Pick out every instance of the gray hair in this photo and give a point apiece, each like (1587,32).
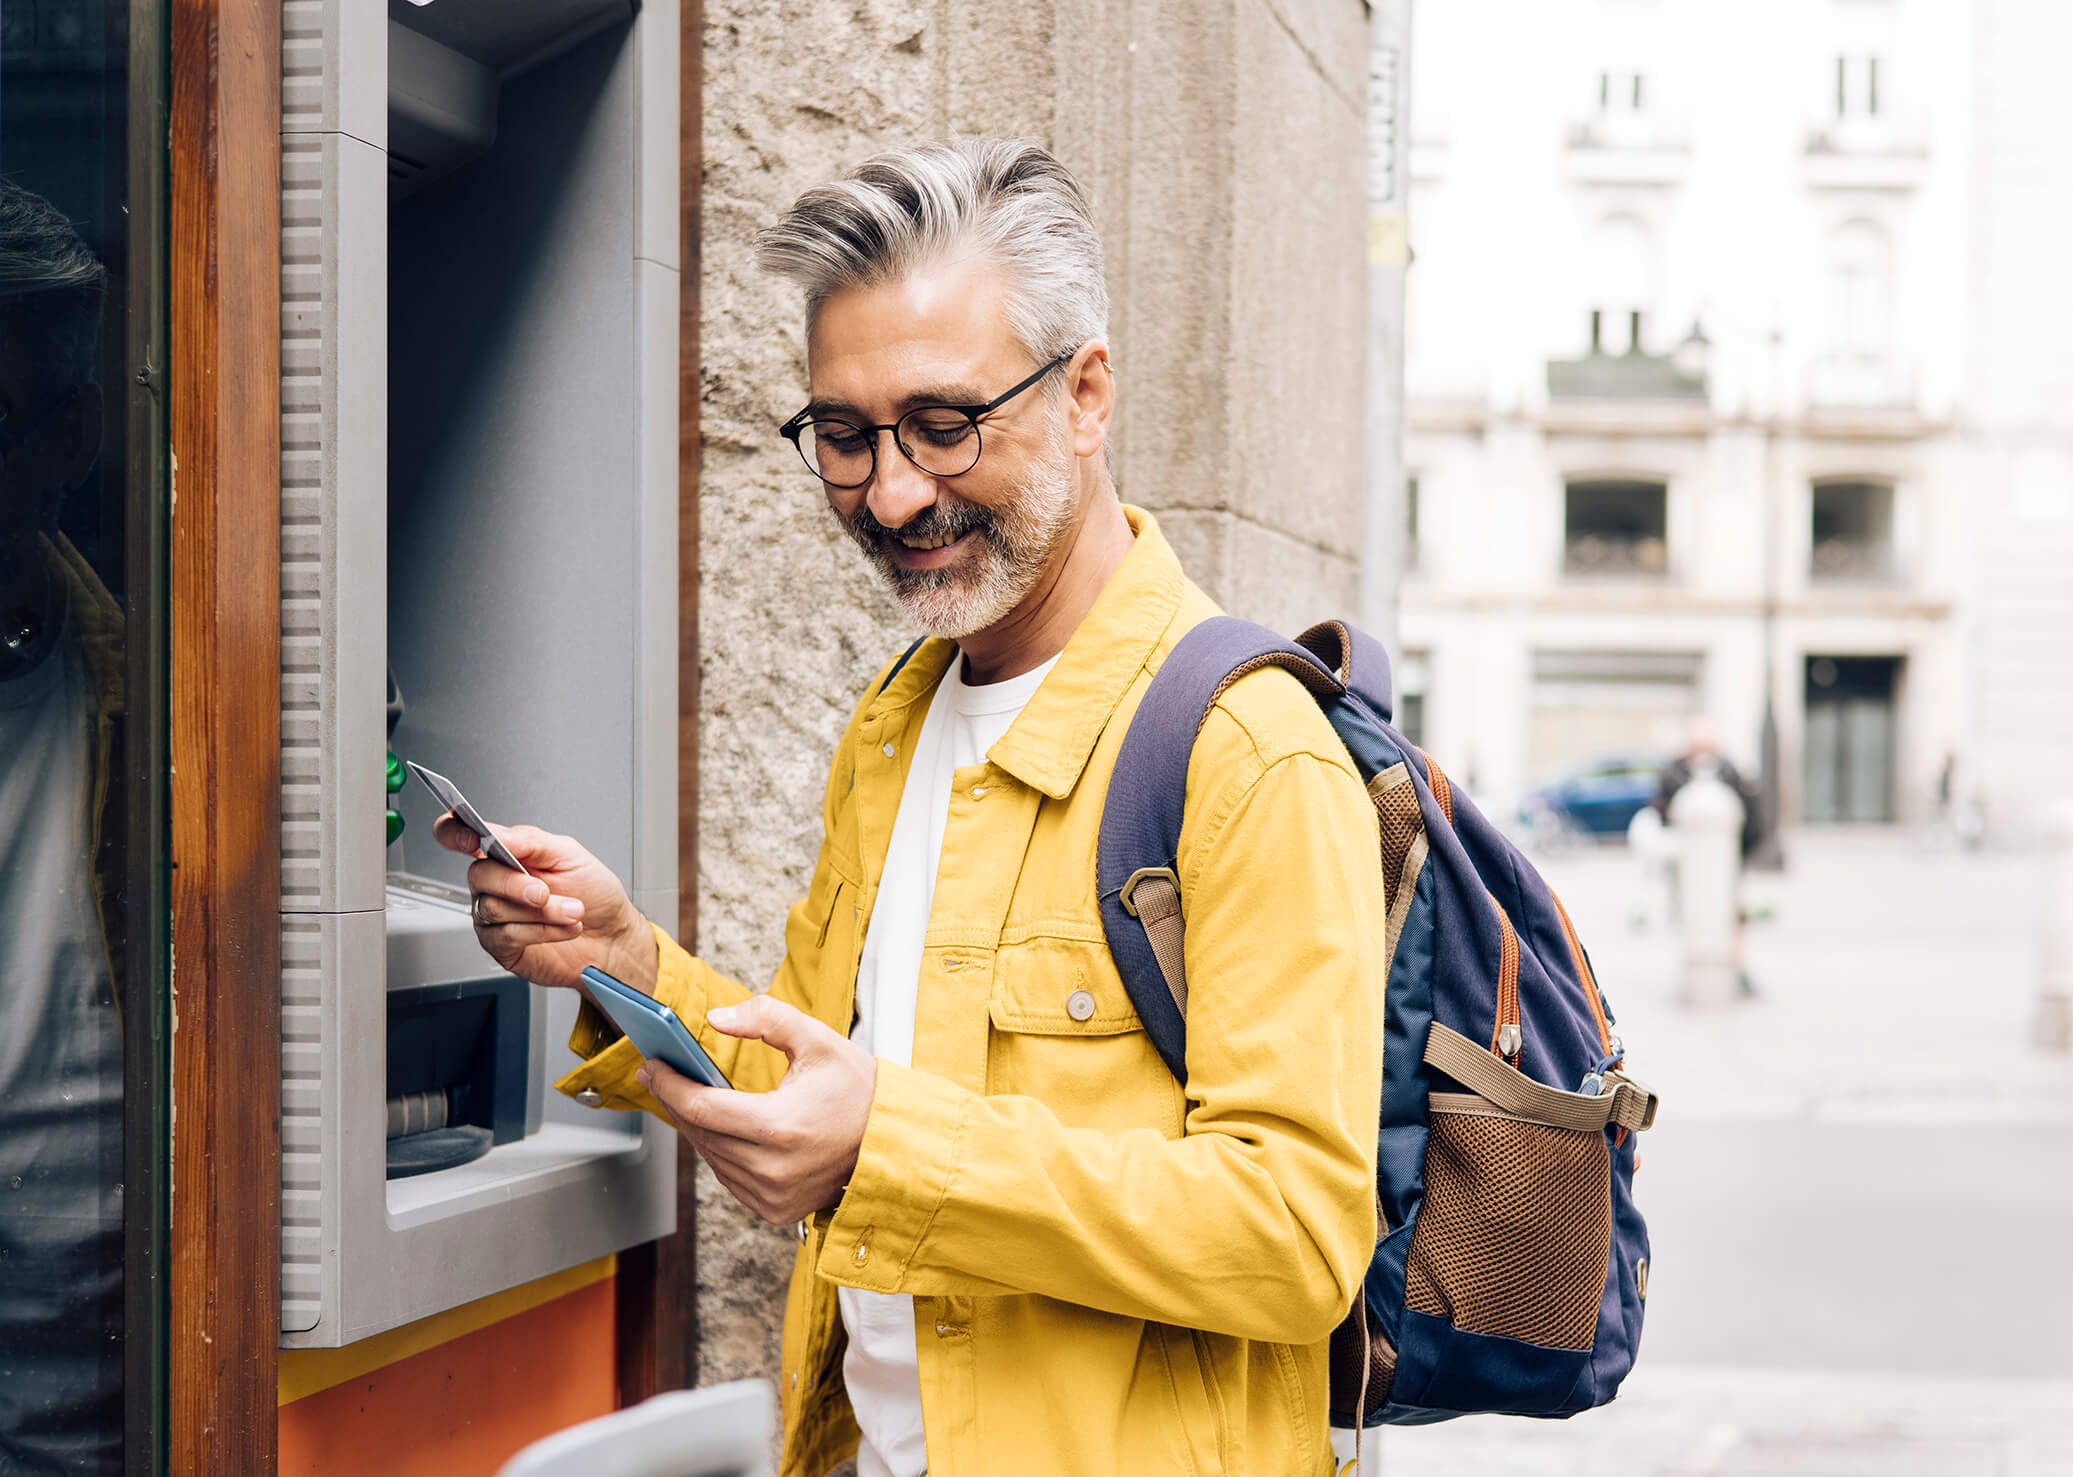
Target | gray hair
(1008,198)
(51,284)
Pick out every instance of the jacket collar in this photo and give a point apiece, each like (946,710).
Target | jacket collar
(1048,746)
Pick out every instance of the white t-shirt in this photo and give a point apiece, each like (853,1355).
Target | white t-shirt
(962,724)
(60,1089)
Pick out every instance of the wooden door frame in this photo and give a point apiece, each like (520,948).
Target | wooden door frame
(657,1287)
(223,384)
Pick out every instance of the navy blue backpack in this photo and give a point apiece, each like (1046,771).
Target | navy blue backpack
(1510,1265)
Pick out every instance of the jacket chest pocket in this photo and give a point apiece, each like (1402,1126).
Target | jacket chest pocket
(1064,1032)
(827,935)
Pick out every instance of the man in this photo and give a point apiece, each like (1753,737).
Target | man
(1024,1247)
(61,649)
(1702,756)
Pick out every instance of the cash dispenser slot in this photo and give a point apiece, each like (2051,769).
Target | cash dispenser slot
(457,1073)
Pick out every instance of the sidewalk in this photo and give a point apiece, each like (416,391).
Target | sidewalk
(1764,1423)
(1866,1172)
(1896,982)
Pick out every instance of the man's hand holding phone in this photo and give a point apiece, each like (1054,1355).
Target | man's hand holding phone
(570,912)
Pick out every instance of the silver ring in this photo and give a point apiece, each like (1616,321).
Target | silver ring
(481,910)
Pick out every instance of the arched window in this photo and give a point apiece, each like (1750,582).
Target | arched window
(1860,292)
(1621,272)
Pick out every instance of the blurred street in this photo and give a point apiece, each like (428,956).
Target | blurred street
(1859,1193)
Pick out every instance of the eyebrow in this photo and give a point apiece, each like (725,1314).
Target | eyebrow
(929,395)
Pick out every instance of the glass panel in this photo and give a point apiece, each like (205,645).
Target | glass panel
(80,692)
(1616,528)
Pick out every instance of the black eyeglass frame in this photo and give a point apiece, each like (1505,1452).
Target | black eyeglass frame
(792,429)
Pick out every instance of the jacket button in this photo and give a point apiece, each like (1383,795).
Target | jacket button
(890,751)
(590,1097)
(1079,1005)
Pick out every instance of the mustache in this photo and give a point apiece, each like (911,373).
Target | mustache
(947,520)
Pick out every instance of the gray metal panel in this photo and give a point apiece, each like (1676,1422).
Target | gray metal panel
(331,1056)
(334,523)
(515,501)
(335,69)
(520,567)
(654,750)
(510,37)
(658,229)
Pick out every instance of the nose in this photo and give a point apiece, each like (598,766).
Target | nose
(900,490)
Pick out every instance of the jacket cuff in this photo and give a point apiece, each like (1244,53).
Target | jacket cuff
(610,1060)
(903,1174)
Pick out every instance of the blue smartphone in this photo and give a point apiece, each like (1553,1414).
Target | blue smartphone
(653,1028)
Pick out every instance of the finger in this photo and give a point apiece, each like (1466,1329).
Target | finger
(760,1018)
(503,937)
(741,1187)
(517,898)
(542,850)
(724,1154)
(454,836)
(717,1111)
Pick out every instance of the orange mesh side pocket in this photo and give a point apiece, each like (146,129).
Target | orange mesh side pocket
(1515,1234)
(1346,1365)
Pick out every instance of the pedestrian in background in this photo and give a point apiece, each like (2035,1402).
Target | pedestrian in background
(1702,756)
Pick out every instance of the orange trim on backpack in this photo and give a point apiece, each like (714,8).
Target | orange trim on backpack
(1583,973)
(1507,983)
(1442,791)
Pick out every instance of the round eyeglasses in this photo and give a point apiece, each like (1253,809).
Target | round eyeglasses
(942,440)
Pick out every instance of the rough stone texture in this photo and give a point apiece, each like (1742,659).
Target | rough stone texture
(1221,144)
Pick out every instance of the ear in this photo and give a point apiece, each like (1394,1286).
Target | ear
(1090,387)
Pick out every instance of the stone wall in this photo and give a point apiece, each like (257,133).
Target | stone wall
(1220,142)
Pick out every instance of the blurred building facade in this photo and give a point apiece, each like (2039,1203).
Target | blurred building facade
(1727,375)
(2020,412)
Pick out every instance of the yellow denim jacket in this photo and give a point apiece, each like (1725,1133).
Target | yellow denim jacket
(1111,1274)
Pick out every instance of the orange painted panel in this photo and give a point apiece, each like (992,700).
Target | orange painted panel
(461,1409)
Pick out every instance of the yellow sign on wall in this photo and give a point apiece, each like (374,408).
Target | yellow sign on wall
(1389,239)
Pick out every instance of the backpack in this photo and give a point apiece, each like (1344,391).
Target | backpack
(1510,1266)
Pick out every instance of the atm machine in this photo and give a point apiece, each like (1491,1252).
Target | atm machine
(479,258)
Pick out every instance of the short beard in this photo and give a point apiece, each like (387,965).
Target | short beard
(1017,538)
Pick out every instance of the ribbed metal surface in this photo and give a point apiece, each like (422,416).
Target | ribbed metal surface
(309,166)
(303,1234)
(308,537)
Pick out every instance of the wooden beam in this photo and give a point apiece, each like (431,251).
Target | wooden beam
(658,1282)
(224,387)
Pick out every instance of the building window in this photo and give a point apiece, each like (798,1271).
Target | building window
(83,678)
(1860,292)
(1413,674)
(1857,87)
(1852,532)
(1622,286)
(1616,528)
(1620,94)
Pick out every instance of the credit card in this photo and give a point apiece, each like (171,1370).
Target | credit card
(448,794)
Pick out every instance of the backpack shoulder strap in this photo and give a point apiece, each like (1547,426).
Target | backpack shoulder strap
(1137,864)
(905,657)
(1356,659)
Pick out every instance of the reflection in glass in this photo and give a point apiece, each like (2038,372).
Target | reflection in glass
(62,791)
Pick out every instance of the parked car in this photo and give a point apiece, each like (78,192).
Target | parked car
(1596,800)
